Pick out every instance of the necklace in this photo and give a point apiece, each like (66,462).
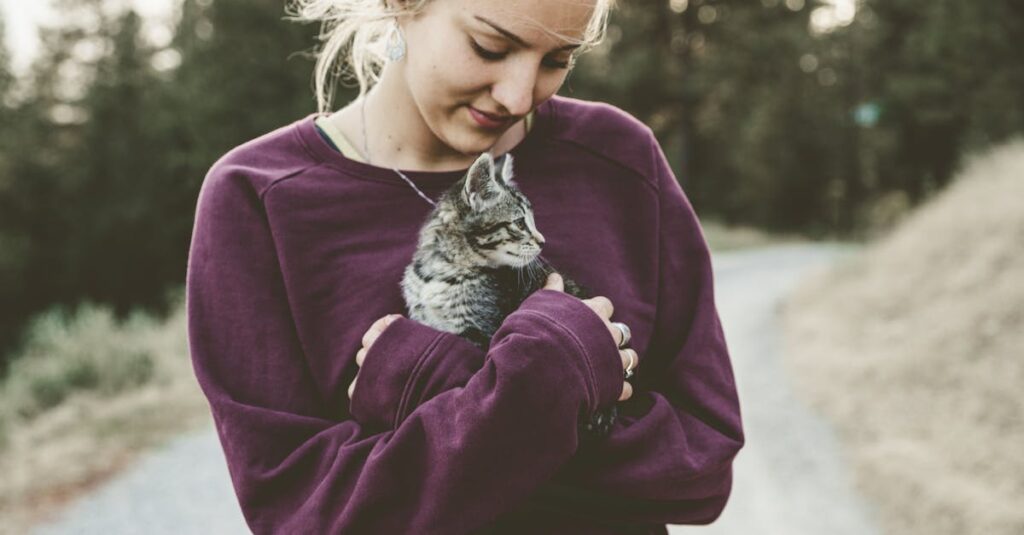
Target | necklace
(366,154)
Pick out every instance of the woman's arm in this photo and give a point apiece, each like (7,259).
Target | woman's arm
(453,464)
(406,365)
(668,458)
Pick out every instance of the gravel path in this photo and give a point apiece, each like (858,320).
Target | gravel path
(789,479)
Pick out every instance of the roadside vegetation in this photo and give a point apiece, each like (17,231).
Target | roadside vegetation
(913,350)
(83,398)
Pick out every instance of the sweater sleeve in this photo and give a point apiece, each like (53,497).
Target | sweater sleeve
(452,465)
(409,363)
(668,458)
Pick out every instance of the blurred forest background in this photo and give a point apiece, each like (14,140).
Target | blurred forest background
(780,114)
(818,118)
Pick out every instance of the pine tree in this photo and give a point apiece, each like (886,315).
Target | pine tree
(949,77)
(7,78)
(116,255)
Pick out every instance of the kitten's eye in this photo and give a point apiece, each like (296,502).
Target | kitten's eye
(521,222)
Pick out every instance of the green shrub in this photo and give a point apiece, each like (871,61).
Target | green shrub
(86,350)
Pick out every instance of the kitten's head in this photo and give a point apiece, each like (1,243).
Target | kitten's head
(493,215)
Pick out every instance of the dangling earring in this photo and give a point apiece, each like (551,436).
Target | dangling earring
(396,43)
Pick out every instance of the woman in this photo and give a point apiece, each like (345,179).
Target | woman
(300,240)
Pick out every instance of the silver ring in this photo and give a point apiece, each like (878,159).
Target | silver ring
(632,362)
(626,334)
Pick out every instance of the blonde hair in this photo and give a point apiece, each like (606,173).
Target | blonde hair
(354,35)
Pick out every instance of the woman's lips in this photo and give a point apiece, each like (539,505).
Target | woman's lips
(485,120)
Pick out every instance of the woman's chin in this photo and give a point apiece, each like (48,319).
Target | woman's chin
(472,140)
(479,143)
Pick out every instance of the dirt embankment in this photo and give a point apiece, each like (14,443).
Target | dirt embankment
(915,350)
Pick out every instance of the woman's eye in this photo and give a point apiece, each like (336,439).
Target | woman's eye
(558,64)
(484,53)
(488,55)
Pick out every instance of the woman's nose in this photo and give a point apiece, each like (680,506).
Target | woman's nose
(515,90)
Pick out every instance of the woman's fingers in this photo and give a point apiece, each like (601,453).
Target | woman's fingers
(601,305)
(629,356)
(617,333)
(604,308)
(352,387)
(627,359)
(555,282)
(627,391)
(378,327)
(372,333)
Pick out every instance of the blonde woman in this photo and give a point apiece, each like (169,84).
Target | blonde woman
(300,241)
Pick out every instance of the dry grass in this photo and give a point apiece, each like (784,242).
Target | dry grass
(77,409)
(914,351)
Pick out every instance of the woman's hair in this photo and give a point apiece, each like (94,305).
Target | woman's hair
(354,35)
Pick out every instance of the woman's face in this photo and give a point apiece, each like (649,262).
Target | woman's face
(492,56)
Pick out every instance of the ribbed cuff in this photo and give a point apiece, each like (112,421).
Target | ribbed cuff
(408,364)
(448,363)
(387,368)
(590,335)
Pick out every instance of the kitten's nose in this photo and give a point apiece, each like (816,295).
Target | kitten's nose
(538,236)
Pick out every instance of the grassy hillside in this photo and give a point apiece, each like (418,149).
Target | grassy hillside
(914,350)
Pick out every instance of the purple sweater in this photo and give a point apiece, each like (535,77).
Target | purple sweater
(297,249)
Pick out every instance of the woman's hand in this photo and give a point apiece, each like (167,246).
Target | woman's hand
(368,338)
(603,307)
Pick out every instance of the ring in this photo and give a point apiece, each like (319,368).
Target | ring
(629,369)
(626,334)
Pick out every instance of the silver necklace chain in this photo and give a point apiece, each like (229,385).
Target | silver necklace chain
(366,154)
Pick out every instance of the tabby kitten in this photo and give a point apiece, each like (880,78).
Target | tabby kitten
(478,258)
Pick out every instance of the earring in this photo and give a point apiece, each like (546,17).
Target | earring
(396,43)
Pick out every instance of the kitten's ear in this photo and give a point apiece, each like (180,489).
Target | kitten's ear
(480,184)
(506,168)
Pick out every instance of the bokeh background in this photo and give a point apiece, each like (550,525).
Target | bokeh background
(885,124)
